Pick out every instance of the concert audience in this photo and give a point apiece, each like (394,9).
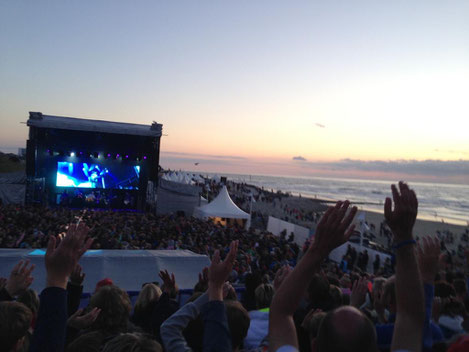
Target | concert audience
(309,305)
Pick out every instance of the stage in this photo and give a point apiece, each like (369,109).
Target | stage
(128,269)
(84,163)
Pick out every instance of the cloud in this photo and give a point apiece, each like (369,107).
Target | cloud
(465,152)
(411,167)
(300,158)
(203,156)
(320,125)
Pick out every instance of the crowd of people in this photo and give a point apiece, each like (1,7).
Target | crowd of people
(295,299)
(31,227)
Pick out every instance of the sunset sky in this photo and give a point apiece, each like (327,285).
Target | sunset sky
(343,88)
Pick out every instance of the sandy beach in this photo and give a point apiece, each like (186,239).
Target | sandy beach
(422,227)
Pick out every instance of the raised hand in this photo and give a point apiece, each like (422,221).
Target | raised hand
(359,290)
(281,275)
(61,260)
(20,278)
(169,282)
(203,276)
(334,229)
(401,220)
(77,276)
(408,327)
(202,284)
(229,292)
(429,257)
(219,271)
(83,321)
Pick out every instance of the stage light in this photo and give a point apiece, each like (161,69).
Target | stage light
(109,155)
(117,156)
(145,158)
(72,154)
(126,156)
(81,153)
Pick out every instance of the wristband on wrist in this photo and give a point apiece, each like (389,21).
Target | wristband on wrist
(403,243)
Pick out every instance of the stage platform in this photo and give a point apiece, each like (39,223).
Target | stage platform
(128,269)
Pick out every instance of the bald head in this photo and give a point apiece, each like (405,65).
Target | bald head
(346,329)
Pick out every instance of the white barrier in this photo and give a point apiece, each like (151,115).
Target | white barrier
(338,253)
(276,226)
(128,269)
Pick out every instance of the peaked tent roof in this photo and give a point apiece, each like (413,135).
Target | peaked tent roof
(222,206)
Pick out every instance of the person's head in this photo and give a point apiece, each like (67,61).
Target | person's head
(252,280)
(150,293)
(264,294)
(318,292)
(89,342)
(346,329)
(378,284)
(31,300)
(115,309)
(15,320)
(335,297)
(312,327)
(345,282)
(238,322)
(132,342)
(102,283)
(444,290)
(389,295)
(460,288)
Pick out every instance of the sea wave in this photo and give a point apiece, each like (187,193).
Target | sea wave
(438,202)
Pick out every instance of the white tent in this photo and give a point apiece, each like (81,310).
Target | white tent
(203,201)
(221,207)
(179,177)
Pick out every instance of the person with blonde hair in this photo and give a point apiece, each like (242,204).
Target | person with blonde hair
(149,293)
(144,306)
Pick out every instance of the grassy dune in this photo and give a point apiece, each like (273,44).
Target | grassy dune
(11,163)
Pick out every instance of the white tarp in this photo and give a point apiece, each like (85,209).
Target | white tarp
(179,177)
(222,206)
(128,269)
(276,226)
(174,196)
(12,187)
(338,253)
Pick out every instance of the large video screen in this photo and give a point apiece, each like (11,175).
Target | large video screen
(92,175)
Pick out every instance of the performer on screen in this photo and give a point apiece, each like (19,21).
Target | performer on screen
(95,175)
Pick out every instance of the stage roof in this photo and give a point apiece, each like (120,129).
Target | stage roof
(40,120)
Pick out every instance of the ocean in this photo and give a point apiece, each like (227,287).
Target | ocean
(437,202)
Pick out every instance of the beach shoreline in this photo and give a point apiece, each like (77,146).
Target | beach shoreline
(423,226)
(362,206)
